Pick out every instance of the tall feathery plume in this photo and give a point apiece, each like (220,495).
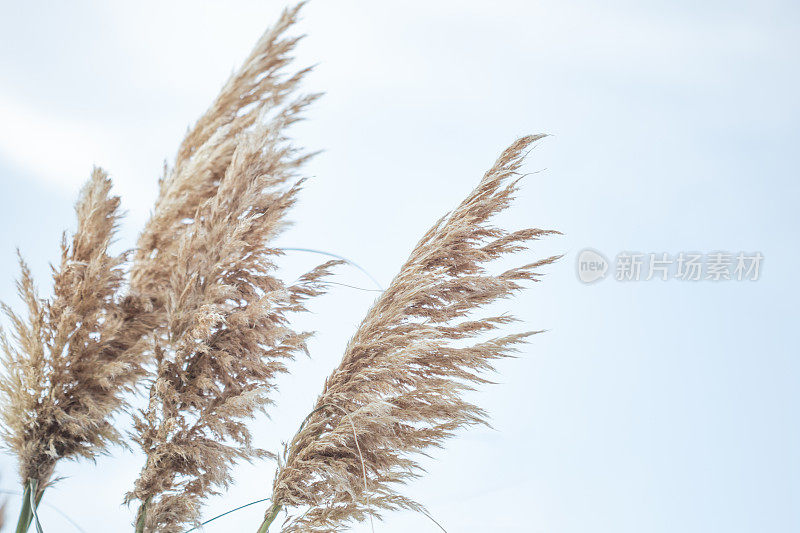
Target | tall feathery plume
(399,388)
(207,262)
(75,355)
(259,87)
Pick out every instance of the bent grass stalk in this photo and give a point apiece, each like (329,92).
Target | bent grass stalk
(399,389)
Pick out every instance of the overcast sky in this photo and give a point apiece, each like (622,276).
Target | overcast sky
(650,406)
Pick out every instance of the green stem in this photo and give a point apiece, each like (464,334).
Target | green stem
(141,516)
(272,514)
(26,512)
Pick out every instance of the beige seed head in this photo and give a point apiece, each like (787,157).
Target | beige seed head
(399,389)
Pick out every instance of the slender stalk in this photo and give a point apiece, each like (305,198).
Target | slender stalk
(141,516)
(26,512)
(35,498)
(226,513)
(272,514)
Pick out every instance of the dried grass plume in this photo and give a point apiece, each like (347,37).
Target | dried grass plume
(206,263)
(399,389)
(74,356)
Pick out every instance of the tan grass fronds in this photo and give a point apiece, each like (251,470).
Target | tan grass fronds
(226,334)
(399,388)
(75,355)
(260,86)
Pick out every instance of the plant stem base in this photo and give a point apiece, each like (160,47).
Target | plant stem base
(272,514)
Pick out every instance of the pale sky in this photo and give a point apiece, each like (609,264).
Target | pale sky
(658,406)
